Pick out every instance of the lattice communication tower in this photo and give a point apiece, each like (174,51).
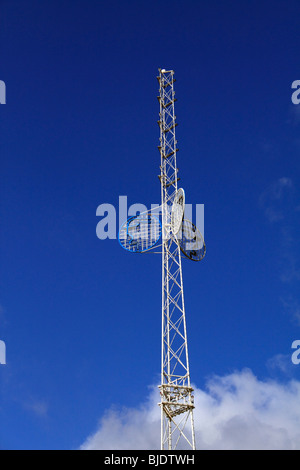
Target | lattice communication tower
(178,236)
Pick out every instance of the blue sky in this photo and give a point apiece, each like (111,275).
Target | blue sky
(80,317)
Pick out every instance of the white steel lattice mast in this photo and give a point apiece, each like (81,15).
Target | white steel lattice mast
(142,233)
(177,401)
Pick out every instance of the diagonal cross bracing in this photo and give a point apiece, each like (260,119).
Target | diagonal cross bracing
(177,402)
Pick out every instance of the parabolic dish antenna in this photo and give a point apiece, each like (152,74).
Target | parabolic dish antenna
(140,233)
(191,242)
(177,211)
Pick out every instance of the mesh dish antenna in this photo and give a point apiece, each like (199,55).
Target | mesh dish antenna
(191,241)
(140,233)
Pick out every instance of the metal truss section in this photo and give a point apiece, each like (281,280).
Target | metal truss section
(177,402)
(168,143)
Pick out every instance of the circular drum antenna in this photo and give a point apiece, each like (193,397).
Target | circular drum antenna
(177,211)
(191,242)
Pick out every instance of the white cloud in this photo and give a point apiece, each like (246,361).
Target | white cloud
(280,203)
(276,198)
(294,115)
(237,411)
(128,428)
(292,308)
(37,407)
(281,363)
